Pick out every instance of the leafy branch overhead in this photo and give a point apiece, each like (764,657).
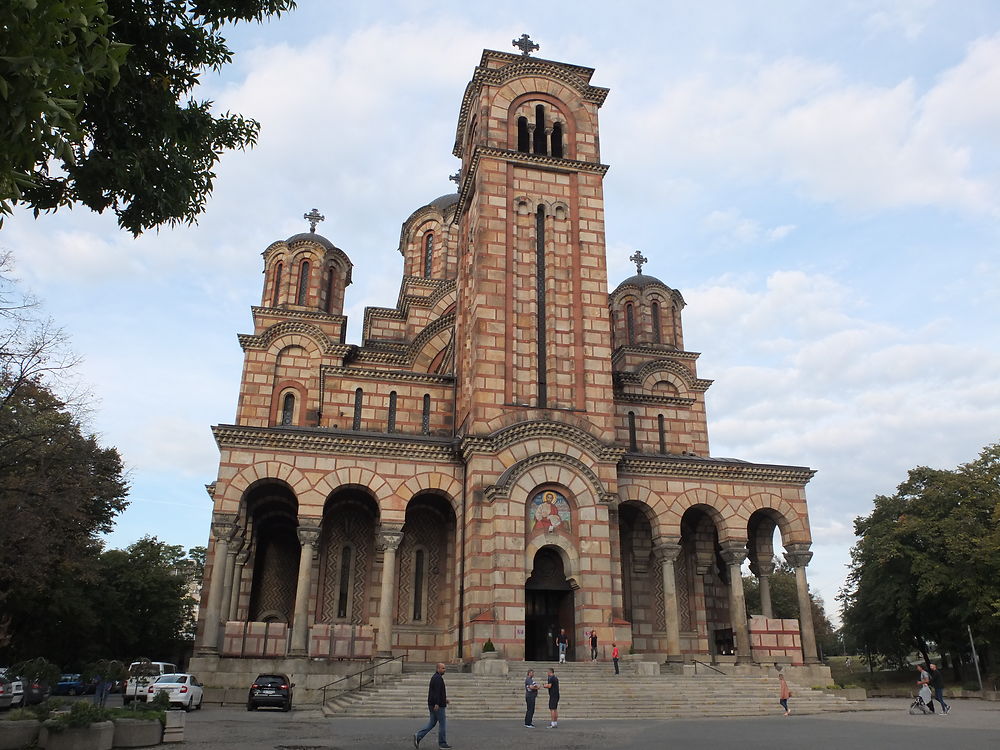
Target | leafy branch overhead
(95,105)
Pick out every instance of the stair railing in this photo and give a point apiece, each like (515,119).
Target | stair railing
(360,674)
(696,663)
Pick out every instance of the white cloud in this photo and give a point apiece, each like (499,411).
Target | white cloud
(907,17)
(730,228)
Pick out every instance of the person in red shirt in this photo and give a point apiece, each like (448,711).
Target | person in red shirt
(615,654)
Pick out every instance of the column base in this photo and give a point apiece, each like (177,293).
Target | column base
(207,651)
(297,652)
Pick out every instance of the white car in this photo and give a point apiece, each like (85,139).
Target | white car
(16,688)
(183,690)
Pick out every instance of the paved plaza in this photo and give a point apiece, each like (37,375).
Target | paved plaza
(972,725)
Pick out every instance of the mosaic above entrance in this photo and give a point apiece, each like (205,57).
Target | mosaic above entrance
(550,511)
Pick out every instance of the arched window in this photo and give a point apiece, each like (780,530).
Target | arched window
(329,289)
(632,446)
(288,408)
(303,282)
(428,253)
(425,422)
(663,433)
(344,584)
(540,145)
(557,140)
(630,323)
(523,140)
(276,292)
(358,397)
(391,427)
(657,328)
(419,573)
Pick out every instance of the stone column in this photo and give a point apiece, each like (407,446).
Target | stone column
(667,553)
(763,571)
(308,536)
(223,529)
(389,540)
(798,556)
(227,591)
(733,554)
(617,569)
(234,600)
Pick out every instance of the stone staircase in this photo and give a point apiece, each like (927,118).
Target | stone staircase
(587,691)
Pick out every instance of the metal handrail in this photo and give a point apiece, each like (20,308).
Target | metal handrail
(360,672)
(696,663)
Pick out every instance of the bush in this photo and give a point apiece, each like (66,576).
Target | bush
(160,702)
(83,714)
(488,647)
(159,715)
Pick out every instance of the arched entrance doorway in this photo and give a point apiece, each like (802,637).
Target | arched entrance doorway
(548,606)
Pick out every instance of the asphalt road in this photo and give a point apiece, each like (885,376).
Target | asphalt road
(972,725)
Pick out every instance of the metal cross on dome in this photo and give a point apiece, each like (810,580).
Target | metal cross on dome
(525,44)
(638,258)
(314,217)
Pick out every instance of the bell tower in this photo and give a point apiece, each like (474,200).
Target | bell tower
(533,327)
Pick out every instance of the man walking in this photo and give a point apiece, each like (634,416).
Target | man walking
(552,685)
(924,681)
(437,701)
(593,645)
(615,655)
(530,694)
(937,683)
(562,643)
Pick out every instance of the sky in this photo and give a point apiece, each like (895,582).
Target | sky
(821,181)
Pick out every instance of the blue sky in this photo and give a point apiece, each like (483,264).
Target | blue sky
(820,181)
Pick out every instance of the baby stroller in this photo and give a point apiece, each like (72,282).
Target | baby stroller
(921,704)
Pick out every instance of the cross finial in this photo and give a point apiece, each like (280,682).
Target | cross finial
(638,258)
(456,178)
(314,217)
(525,44)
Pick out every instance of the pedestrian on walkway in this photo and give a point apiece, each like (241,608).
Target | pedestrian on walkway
(562,643)
(786,693)
(593,645)
(530,694)
(924,689)
(615,655)
(552,685)
(437,701)
(937,683)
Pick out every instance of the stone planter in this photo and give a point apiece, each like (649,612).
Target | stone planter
(490,655)
(99,736)
(173,729)
(137,732)
(17,734)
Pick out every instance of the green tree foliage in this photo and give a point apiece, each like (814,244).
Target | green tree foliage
(785,603)
(927,562)
(95,105)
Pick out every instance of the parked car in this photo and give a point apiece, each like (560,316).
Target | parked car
(15,687)
(183,690)
(138,682)
(270,690)
(70,684)
(35,691)
(6,693)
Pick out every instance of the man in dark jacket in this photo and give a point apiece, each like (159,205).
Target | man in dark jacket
(437,701)
(937,684)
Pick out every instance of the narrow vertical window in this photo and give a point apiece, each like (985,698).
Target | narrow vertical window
(288,408)
(557,140)
(663,433)
(523,140)
(425,422)
(329,289)
(630,323)
(358,396)
(540,301)
(428,253)
(344,584)
(418,585)
(540,145)
(657,328)
(276,295)
(303,282)
(632,446)
(391,426)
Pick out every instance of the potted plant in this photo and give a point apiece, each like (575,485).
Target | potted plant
(84,727)
(140,726)
(19,729)
(489,650)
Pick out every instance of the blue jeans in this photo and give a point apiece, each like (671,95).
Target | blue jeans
(939,697)
(437,717)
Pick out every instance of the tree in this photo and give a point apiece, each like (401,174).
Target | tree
(785,603)
(96,105)
(927,562)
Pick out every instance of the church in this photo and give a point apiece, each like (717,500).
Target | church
(513,448)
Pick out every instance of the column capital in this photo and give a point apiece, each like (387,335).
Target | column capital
(308,534)
(761,569)
(224,526)
(798,555)
(389,538)
(667,551)
(734,553)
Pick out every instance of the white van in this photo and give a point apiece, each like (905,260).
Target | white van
(140,677)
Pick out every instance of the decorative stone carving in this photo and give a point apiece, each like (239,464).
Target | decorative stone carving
(389,539)
(308,534)
(667,551)
(798,555)
(734,554)
(224,526)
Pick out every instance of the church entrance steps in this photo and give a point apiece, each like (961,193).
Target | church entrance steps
(584,687)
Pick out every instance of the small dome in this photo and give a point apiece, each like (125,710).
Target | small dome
(312,237)
(642,280)
(442,202)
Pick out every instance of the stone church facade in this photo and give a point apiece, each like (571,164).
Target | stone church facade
(512,448)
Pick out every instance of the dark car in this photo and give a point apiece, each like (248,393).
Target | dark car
(70,684)
(270,690)
(35,691)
